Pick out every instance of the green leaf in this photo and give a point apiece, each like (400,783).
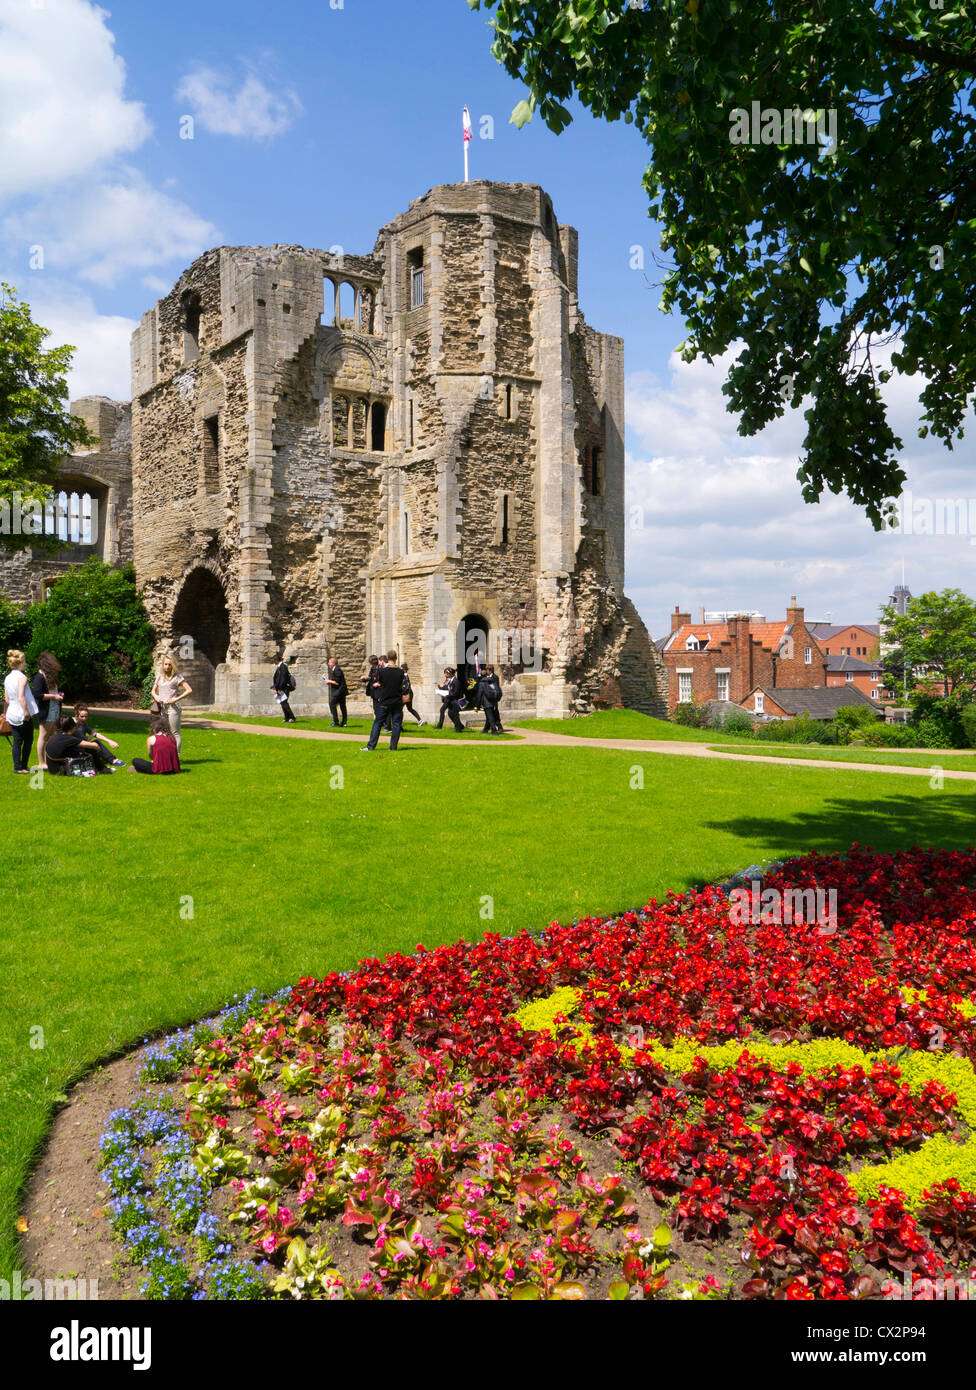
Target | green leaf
(805,265)
(618,1292)
(525,1293)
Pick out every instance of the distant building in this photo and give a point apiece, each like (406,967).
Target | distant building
(823,704)
(866,676)
(862,640)
(724,661)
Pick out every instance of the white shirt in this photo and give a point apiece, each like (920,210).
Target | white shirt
(17,709)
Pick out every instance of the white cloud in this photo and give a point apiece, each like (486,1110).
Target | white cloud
(100,366)
(724,525)
(110,229)
(62,108)
(254,110)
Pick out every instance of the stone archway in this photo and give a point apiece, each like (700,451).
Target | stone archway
(470,645)
(201,632)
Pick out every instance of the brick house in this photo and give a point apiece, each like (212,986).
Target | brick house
(866,676)
(726,660)
(860,640)
(817,703)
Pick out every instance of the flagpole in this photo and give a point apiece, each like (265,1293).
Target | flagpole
(466,137)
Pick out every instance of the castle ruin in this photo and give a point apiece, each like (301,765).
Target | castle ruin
(420,448)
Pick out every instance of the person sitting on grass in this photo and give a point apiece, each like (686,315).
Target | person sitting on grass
(161,747)
(85,730)
(68,743)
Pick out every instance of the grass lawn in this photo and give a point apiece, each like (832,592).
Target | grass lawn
(620,723)
(356,726)
(134,904)
(960,761)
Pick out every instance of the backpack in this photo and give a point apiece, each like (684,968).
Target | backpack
(291,683)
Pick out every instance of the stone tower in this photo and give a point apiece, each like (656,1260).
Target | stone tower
(419,448)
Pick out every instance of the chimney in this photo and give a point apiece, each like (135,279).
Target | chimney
(794,615)
(679,619)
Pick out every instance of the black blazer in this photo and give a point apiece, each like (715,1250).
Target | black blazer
(282,679)
(453,691)
(334,673)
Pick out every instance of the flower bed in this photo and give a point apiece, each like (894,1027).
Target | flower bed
(681,1101)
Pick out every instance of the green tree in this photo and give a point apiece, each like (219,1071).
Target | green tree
(934,641)
(812,257)
(36,428)
(96,625)
(15,626)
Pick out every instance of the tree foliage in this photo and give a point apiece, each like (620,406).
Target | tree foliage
(36,428)
(934,641)
(96,625)
(812,259)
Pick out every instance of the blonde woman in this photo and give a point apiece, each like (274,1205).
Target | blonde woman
(167,692)
(19,708)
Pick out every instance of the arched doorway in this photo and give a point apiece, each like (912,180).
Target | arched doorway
(201,632)
(471,646)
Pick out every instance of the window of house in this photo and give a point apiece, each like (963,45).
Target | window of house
(722,685)
(759,702)
(691,645)
(684,689)
(848,676)
(415,274)
(211,454)
(808,655)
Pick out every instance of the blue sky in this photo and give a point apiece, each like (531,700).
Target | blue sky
(316,125)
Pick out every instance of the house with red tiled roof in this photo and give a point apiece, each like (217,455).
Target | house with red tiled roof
(726,660)
(861,640)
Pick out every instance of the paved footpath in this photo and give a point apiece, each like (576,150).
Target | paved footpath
(542,738)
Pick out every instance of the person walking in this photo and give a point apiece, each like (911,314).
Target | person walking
(490,692)
(44,688)
(169,688)
(450,692)
(283,684)
(408,692)
(19,709)
(389,699)
(369,680)
(335,684)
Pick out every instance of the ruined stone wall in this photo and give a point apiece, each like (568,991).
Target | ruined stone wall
(105,473)
(513,304)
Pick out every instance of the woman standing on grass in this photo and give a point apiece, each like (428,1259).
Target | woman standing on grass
(161,747)
(19,707)
(44,688)
(167,693)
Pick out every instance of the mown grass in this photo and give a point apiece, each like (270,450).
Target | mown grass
(134,904)
(934,757)
(619,723)
(357,726)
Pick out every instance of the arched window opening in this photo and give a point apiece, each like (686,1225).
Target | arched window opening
(340,422)
(415,277)
(378,427)
(471,646)
(347,306)
(330,309)
(211,454)
(190,311)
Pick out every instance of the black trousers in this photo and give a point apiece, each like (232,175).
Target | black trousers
(144,765)
(21,743)
(337,706)
(412,711)
(493,725)
(286,713)
(450,707)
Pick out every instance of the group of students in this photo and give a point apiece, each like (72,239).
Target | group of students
(393,692)
(67,743)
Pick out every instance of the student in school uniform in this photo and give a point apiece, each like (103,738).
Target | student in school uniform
(335,684)
(408,691)
(450,692)
(282,684)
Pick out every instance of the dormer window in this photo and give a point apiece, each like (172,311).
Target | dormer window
(697,644)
